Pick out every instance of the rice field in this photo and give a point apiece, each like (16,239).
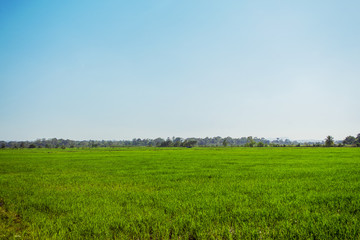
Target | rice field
(180,193)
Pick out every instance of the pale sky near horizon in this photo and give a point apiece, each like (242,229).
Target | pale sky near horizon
(145,69)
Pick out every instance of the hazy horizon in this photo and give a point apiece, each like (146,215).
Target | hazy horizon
(146,69)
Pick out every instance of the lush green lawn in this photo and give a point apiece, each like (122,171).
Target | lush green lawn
(199,193)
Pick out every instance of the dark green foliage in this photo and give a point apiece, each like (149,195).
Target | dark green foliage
(250,142)
(329,141)
(349,140)
(188,143)
(136,142)
(352,141)
(357,140)
(317,145)
(167,143)
(175,142)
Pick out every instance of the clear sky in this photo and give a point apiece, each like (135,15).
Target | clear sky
(124,69)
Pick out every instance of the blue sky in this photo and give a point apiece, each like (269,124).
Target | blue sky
(126,69)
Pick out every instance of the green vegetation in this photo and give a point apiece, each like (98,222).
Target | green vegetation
(329,141)
(180,193)
(181,142)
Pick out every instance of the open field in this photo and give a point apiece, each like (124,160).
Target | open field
(169,193)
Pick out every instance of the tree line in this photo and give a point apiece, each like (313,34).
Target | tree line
(180,142)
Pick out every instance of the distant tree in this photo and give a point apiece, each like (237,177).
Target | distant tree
(350,140)
(188,143)
(357,140)
(329,141)
(260,144)
(32,146)
(158,141)
(177,141)
(3,145)
(192,143)
(250,142)
(167,143)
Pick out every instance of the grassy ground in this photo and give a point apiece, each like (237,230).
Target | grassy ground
(199,193)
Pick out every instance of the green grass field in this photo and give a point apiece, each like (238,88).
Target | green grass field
(198,193)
